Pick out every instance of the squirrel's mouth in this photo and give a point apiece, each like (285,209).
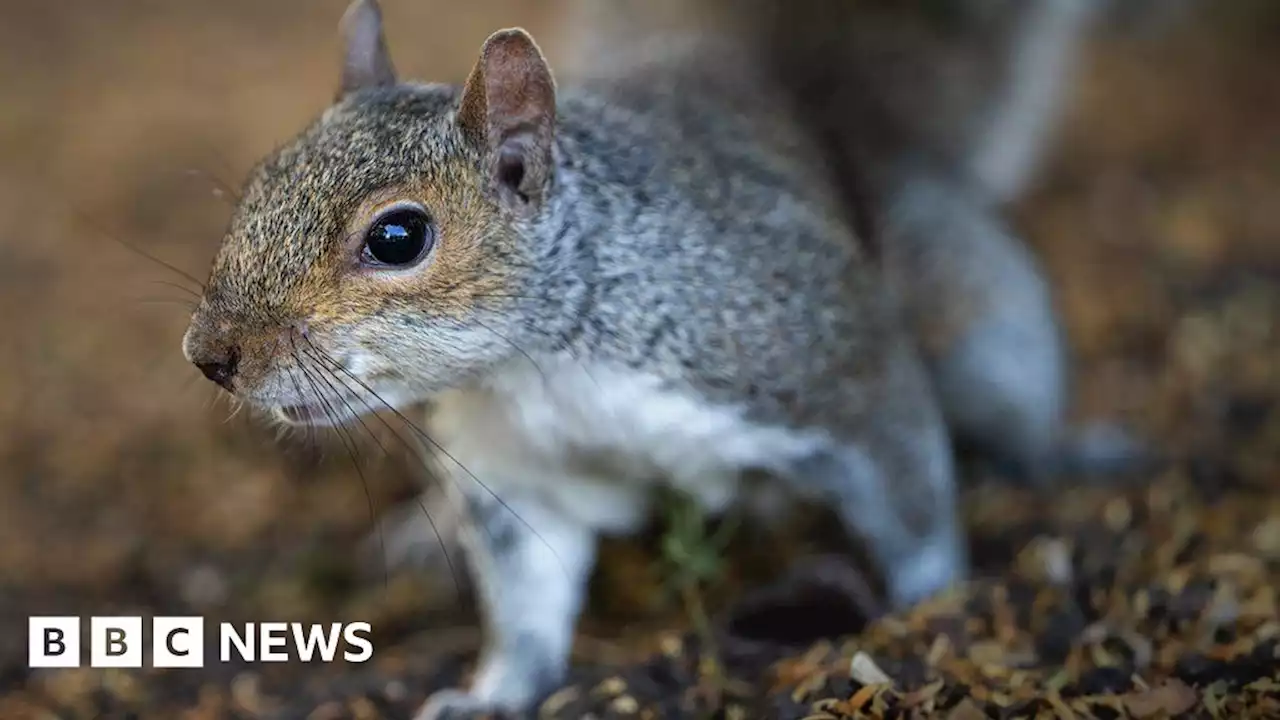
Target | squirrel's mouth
(314,414)
(336,408)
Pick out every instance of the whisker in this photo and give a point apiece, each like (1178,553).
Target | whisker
(293,378)
(518,349)
(146,300)
(441,449)
(512,296)
(329,411)
(350,444)
(188,383)
(444,547)
(221,159)
(453,571)
(176,286)
(423,456)
(221,190)
(134,249)
(586,369)
(544,298)
(236,406)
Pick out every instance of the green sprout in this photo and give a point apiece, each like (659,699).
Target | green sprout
(693,560)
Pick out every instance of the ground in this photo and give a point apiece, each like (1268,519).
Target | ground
(127,490)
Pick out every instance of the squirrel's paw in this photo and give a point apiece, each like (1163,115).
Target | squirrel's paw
(497,692)
(455,704)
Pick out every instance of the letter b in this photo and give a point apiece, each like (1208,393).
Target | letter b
(115,642)
(53,642)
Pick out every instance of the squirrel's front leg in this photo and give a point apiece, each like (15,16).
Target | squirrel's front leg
(530,564)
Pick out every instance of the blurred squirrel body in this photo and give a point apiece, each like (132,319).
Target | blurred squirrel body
(931,116)
(711,258)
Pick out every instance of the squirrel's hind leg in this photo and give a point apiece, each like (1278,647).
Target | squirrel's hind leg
(892,484)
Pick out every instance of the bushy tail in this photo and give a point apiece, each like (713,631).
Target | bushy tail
(1021,112)
(971,86)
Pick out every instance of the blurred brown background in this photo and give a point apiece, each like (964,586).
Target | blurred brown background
(123,485)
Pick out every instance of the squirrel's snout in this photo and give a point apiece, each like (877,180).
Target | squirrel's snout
(218,362)
(222,370)
(212,352)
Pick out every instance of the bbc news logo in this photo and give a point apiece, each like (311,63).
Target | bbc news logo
(179,642)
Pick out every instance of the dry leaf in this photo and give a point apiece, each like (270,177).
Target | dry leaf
(1171,698)
(863,696)
(966,710)
(923,695)
(1060,708)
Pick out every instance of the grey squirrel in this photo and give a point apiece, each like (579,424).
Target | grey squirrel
(723,257)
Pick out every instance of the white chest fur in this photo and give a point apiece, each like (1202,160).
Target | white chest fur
(592,441)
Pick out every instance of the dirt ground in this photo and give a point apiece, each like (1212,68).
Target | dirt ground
(125,488)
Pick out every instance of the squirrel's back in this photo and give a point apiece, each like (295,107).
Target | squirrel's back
(699,110)
(714,231)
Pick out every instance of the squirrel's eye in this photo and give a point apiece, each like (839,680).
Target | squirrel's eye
(399,237)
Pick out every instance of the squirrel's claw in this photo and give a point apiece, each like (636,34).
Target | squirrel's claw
(455,704)
(502,688)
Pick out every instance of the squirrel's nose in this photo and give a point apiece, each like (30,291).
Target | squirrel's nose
(221,370)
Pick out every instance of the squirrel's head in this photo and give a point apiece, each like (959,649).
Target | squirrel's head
(374,258)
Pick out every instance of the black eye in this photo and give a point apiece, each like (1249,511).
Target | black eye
(399,237)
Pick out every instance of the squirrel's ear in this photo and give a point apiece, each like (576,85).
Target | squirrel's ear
(365,60)
(508,107)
